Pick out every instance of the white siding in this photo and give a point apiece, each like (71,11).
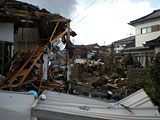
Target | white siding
(142,38)
(7,32)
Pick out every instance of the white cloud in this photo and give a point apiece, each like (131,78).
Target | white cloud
(108,22)
(62,7)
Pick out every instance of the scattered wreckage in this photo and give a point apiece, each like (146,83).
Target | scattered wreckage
(26,70)
(57,106)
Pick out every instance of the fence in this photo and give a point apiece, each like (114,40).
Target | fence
(134,73)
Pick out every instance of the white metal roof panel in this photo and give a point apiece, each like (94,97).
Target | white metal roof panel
(70,107)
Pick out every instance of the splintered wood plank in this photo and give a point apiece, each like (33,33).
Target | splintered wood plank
(36,54)
(24,77)
(45,46)
(12,79)
(23,72)
(41,80)
(8,86)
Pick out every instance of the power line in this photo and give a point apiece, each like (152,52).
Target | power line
(87,14)
(89,5)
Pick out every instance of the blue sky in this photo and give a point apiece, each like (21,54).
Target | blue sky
(99,21)
(154,3)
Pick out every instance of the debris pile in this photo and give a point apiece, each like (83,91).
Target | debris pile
(32,81)
(91,81)
(27,70)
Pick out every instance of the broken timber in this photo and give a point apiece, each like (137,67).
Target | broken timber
(23,72)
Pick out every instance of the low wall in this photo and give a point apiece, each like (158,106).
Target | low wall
(134,73)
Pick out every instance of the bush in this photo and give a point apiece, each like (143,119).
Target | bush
(151,80)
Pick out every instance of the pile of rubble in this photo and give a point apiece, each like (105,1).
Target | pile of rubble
(34,80)
(91,82)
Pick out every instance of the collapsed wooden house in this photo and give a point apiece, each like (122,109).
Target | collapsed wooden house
(27,28)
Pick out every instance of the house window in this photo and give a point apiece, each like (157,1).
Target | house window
(155,28)
(150,29)
(146,30)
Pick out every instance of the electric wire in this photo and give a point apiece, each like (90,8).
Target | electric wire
(103,1)
(88,6)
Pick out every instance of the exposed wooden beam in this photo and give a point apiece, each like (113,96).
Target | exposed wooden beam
(68,32)
(60,35)
(68,39)
(53,32)
(61,20)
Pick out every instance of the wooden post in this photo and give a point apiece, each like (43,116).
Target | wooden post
(68,39)
(43,72)
(67,58)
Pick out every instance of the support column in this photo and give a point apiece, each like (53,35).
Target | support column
(67,59)
(67,54)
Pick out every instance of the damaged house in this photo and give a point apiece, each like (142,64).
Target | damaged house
(27,34)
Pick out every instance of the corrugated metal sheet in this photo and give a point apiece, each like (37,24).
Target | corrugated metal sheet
(15,105)
(59,106)
(137,99)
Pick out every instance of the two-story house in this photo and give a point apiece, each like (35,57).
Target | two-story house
(147,28)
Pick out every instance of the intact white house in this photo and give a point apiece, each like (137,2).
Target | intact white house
(147,32)
(146,28)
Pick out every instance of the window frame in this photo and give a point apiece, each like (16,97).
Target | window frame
(150,29)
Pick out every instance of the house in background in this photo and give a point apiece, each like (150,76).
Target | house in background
(105,49)
(147,29)
(121,45)
(108,48)
(92,49)
(80,51)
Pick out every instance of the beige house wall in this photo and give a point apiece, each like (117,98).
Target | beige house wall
(142,38)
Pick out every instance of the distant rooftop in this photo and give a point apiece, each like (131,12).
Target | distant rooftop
(128,39)
(155,14)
